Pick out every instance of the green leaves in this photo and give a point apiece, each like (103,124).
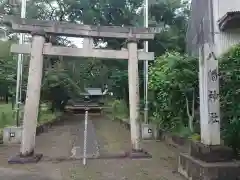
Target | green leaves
(172,16)
(7,64)
(229,96)
(171,78)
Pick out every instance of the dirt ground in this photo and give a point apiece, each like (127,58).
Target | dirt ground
(111,136)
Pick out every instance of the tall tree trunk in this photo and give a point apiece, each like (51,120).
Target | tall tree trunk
(6,98)
(190,115)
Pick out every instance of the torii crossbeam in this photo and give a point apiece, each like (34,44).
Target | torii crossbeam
(77,30)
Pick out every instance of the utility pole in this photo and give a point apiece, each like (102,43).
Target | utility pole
(146,66)
(20,67)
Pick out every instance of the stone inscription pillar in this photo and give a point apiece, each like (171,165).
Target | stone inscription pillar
(209,96)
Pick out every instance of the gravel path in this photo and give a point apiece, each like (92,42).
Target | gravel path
(112,137)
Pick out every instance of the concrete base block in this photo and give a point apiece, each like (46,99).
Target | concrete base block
(116,155)
(147,131)
(194,169)
(134,154)
(19,159)
(12,135)
(211,153)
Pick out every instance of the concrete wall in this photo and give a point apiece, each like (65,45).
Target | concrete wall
(224,40)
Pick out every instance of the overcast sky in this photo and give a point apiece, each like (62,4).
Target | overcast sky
(77,41)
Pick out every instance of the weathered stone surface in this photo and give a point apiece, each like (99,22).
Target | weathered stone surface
(19,159)
(211,153)
(39,32)
(12,135)
(147,131)
(194,169)
(78,30)
(81,52)
(139,154)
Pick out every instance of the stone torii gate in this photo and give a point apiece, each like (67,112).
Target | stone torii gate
(39,48)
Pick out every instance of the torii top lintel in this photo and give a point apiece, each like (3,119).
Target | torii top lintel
(18,24)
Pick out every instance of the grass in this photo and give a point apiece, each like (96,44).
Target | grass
(117,109)
(182,131)
(47,116)
(185,132)
(7,117)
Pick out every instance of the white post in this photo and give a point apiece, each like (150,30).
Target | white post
(85,137)
(33,94)
(88,43)
(209,96)
(134,93)
(146,65)
(19,66)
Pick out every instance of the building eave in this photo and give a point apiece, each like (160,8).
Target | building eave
(230,21)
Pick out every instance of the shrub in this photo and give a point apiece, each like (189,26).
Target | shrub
(119,109)
(229,68)
(173,80)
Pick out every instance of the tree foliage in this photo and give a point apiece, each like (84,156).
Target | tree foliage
(174,82)
(230,96)
(104,12)
(7,70)
(172,16)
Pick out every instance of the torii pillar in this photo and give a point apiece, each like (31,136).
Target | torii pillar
(134,100)
(27,153)
(133,84)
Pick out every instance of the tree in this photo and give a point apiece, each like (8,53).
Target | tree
(172,16)
(7,70)
(229,65)
(105,12)
(174,82)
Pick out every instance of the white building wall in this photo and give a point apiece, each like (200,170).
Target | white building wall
(224,40)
